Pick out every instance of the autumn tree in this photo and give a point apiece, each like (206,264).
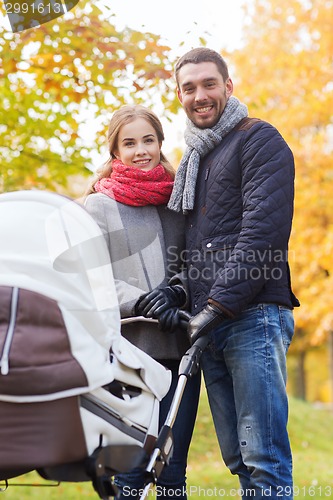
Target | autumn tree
(284,72)
(64,75)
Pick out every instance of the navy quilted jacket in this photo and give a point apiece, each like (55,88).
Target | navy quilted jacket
(237,234)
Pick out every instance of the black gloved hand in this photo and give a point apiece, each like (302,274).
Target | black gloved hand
(173,318)
(207,319)
(153,303)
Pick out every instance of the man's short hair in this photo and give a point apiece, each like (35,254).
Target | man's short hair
(202,54)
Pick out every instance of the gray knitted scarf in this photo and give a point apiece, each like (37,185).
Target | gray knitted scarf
(200,141)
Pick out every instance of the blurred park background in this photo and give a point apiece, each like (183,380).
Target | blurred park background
(60,83)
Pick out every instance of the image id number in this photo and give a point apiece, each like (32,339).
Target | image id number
(33,8)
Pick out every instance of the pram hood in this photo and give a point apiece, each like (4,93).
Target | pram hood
(50,245)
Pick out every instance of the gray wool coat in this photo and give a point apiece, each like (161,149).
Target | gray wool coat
(146,245)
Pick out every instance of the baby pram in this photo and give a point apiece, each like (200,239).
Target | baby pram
(67,408)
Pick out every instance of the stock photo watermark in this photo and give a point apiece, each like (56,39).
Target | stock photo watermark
(28,14)
(314,491)
(250,265)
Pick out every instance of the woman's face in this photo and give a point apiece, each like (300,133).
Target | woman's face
(138,145)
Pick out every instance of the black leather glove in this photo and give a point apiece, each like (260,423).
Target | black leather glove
(207,319)
(153,303)
(173,318)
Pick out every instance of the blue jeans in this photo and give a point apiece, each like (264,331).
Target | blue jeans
(245,375)
(172,482)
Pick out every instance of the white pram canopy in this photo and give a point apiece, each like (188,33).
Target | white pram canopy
(50,245)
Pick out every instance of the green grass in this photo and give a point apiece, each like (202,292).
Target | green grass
(311,434)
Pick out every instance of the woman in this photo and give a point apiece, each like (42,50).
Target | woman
(145,241)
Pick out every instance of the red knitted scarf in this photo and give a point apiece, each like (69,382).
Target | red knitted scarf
(132,186)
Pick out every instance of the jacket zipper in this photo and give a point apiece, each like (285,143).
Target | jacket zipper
(203,209)
(4,361)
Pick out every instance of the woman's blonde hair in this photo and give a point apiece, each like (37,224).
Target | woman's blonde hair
(123,116)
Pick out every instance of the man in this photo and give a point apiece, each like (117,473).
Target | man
(236,184)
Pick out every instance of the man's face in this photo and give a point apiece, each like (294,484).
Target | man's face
(203,93)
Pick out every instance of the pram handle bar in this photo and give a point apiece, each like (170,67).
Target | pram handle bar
(135,319)
(160,457)
(189,363)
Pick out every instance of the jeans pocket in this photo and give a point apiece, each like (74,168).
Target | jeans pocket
(287,326)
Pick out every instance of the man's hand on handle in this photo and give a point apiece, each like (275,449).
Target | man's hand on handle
(207,319)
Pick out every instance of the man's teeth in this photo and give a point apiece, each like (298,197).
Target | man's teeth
(204,110)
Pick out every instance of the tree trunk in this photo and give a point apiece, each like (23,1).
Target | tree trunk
(300,379)
(330,363)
